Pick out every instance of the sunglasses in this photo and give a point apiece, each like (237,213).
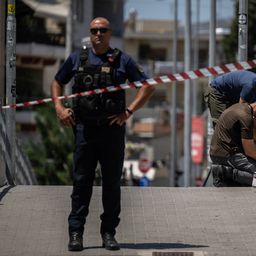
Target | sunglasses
(94,31)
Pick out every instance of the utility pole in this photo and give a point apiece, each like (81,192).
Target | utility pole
(68,40)
(196,55)
(242,30)
(11,89)
(173,110)
(187,96)
(212,39)
(212,62)
(195,83)
(2,49)
(2,76)
(69,20)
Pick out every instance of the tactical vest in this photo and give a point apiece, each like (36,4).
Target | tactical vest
(97,108)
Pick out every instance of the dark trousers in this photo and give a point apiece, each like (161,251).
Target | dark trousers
(236,170)
(93,144)
(217,102)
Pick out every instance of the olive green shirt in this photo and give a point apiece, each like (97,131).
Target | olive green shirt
(234,124)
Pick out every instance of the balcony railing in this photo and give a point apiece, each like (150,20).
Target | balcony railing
(40,38)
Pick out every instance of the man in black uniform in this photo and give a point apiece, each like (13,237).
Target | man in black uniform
(99,127)
(233,151)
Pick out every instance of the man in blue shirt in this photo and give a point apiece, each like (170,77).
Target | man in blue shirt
(228,89)
(98,122)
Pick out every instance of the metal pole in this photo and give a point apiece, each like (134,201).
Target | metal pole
(196,55)
(2,76)
(196,167)
(173,158)
(2,49)
(11,88)
(242,30)
(69,42)
(212,41)
(187,96)
(212,62)
(69,20)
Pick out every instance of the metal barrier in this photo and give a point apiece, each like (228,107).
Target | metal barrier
(23,174)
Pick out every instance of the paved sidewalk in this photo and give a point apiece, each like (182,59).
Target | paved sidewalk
(216,221)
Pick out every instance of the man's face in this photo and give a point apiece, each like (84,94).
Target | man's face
(100,32)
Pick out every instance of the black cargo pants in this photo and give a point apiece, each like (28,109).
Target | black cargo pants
(236,170)
(93,144)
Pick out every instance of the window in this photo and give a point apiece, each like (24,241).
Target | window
(146,52)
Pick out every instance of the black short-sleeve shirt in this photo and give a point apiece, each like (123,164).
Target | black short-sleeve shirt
(234,124)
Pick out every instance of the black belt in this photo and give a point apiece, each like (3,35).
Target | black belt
(95,122)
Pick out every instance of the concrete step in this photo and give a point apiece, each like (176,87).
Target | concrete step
(203,221)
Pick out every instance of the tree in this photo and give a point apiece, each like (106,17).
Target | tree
(230,42)
(52,158)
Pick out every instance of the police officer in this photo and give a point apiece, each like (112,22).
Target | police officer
(99,127)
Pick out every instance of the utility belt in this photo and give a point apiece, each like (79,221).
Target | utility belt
(95,122)
(96,109)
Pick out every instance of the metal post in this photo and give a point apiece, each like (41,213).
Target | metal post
(212,41)
(69,20)
(69,41)
(212,62)
(2,76)
(242,30)
(11,88)
(196,55)
(187,96)
(196,167)
(173,158)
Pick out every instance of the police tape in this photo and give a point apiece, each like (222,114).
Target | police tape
(189,75)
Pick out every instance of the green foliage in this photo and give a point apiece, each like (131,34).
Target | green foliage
(52,158)
(230,42)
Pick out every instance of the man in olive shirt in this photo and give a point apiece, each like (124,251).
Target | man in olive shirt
(233,151)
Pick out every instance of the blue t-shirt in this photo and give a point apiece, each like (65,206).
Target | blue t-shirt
(237,84)
(128,69)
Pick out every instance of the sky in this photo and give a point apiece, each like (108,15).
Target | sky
(163,9)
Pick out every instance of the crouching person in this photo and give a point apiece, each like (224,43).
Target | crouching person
(233,151)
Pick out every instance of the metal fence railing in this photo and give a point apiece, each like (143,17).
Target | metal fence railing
(23,173)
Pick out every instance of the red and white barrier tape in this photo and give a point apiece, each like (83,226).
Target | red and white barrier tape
(203,72)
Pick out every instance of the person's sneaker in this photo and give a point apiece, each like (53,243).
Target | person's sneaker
(109,242)
(75,242)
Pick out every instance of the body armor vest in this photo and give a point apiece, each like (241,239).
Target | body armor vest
(89,77)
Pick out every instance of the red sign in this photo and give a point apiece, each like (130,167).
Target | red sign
(197,140)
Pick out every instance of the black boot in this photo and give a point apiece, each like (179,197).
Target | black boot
(75,242)
(243,178)
(109,242)
(218,175)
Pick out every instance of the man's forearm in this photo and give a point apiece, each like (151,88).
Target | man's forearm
(142,97)
(56,91)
